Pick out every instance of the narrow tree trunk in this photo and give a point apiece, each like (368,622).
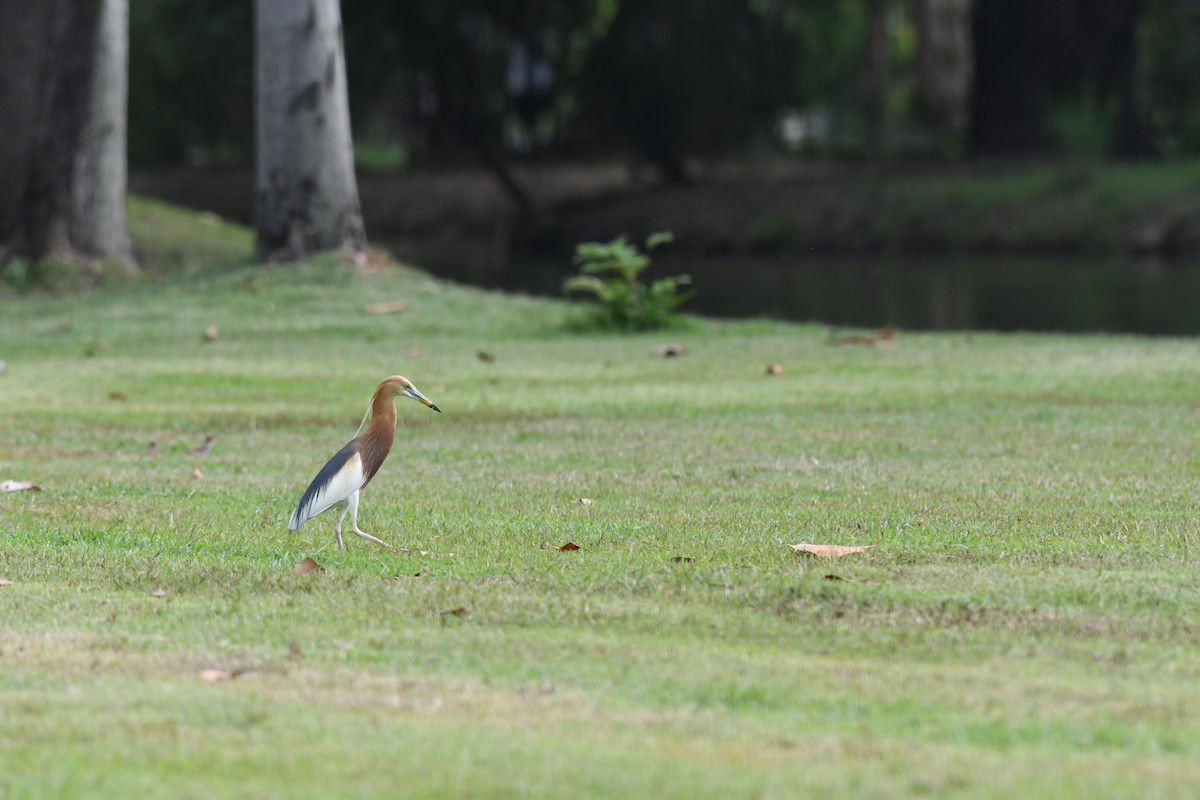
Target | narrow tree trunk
(68,83)
(307,195)
(945,64)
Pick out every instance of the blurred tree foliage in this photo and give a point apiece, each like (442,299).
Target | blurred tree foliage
(1169,74)
(191,81)
(667,79)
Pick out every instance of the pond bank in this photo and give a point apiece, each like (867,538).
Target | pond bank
(776,207)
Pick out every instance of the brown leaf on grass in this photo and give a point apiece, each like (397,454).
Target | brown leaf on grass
(459,612)
(211,333)
(5,582)
(774,369)
(118,396)
(217,675)
(670,350)
(568,547)
(306,566)
(585,501)
(882,336)
(388,307)
(829,550)
(486,357)
(19,486)
(159,592)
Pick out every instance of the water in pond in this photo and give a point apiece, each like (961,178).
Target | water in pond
(938,293)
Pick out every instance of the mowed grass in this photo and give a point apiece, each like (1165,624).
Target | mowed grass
(1025,624)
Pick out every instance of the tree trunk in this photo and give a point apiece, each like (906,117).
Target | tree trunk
(98,225)
(21,33)
(944,64)
(65,95)
(307,195)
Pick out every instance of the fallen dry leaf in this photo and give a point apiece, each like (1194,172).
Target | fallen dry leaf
(306,566)
(486,357)
(159,592)
(211,333)
(829,550)
(388,307)
(670,350)
(5,582)
(216,675)
(883,336)
(118,396)
(586,501)
(454,612)
(19,486)
(774,369)
(568,547)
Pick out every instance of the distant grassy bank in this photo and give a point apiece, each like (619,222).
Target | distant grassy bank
(1024,625)
(782,207)
(1018,208)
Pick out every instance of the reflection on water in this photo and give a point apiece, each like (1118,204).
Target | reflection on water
(938,293)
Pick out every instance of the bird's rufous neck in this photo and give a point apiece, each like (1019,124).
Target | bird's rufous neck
(383,411)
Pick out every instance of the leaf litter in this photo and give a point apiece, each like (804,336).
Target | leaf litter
(829,550)
(306,566)
(19,486)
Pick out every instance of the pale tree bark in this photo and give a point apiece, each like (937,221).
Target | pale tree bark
(66,159)
(307,194)
(98,225)
(945,64)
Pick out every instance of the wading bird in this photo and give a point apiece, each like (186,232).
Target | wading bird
(352,468)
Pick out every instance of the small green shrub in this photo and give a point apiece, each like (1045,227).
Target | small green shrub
(610,270)
(1083,126)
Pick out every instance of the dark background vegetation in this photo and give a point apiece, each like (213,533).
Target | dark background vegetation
(666,80)
(526,125)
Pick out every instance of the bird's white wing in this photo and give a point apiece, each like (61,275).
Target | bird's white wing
(337,480)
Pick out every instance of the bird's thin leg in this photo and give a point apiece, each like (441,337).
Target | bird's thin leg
(352,500)
(338,531)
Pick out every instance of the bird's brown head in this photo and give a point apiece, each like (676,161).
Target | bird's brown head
(400,386)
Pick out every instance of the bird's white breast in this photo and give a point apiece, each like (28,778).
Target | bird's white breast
(330,490)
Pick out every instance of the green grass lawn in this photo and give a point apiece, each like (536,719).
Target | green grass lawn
(1025,626)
